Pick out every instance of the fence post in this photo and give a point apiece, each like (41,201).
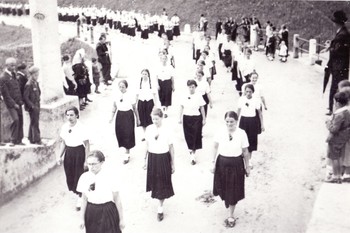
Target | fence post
(296,46)
(92,34)
(312,51)
(78,28)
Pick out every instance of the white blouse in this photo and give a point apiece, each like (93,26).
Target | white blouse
(192,103)
(74,136)
(124,101)
(203,87)
(231,145)
(165,72)
(248,106)
(158,139)
(105,184)
(146,90)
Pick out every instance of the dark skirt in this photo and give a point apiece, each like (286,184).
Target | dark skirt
(227,58)
(251,126)
(73,164)
(220,53)
(169,34)
(161,30)
(102,218)
(165,92)
(144,109)
(144,34)
(125,129)
(192,126)
(176,30)
(159,176)
(229,179)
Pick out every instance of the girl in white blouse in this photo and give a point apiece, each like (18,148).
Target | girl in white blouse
(125,106)
(146,98)
(73,150)
(192,116)
(231,163)
(203,89)
(251,119)
(102,208)
(160,164)
(165,76)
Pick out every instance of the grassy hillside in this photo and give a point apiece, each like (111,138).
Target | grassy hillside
(310,19)
(16,42)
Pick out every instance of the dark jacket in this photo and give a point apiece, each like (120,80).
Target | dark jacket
(10,90)
(22,79)
(31,95)
(101,50)
(339,52)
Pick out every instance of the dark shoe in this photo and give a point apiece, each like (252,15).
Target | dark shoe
(38,143)
(165,115)
(329,113)
(20,144)
(97,92)
(11,144)
(84,104)
(143,139)
(193,162)
(81,108)
(160,217)
(230,223)
(2,144)
(126,161)
(331,180)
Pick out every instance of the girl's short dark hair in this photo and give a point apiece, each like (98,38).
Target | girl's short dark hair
(191,82)
(231,114)
(250,86)
(74,109)
(344,83)
(98,155)
(125,82)
(157,112)
(341,97)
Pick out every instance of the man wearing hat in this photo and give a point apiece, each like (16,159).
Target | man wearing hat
(338,63)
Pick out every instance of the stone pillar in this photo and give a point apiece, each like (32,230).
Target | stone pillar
(46,48)
(312,51)
(296,46)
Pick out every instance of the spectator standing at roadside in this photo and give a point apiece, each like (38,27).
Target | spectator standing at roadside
(338,63)
(31,99)
(22,76)
(11,92)
(104,59)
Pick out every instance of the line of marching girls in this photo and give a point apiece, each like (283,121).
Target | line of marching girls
(98,194)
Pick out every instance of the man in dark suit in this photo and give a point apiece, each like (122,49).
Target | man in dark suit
(22,76)
(12,96)
(338,63)
(31,99)
(104,59)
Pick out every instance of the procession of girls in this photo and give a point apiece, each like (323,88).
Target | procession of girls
(149,108)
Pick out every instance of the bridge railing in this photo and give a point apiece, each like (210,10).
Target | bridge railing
(316,52)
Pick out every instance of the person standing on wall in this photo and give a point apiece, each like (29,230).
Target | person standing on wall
(338,63)
(31,99)
(12,96)
(104,59)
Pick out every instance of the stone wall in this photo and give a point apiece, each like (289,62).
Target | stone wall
(21,165)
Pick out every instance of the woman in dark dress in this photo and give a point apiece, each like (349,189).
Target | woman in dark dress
(73,150)
(230,165)
(125,107)
(159,161)
(81,76)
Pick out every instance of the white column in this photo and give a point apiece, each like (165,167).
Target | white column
(46,48)
(312,51)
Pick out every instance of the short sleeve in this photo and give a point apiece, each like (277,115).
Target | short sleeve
(81,187)
(240,103)
(200,100)
(244,138)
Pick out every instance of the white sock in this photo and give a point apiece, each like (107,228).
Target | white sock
(160,209)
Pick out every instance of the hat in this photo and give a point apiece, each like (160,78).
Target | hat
(339,17)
